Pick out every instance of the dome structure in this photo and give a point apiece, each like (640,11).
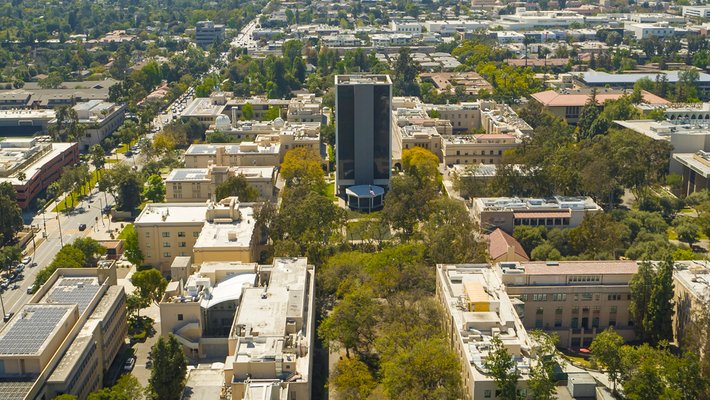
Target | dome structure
(222,122)
(279,123)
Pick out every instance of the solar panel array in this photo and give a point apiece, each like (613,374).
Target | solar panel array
(11,390)
(79,291)
(30,329)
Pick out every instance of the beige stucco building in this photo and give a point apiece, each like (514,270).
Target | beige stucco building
(477,149)
(192,185)
(476,309)
(66,338)
(241,154)
(208,231)
(305,107)
(555,212)
(574,299)
(260,318)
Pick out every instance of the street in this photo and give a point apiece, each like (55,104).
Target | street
(87,212)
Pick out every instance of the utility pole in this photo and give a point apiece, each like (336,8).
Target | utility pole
(61,237)
(2,304)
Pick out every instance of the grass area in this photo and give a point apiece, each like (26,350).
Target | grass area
(330,191)
(122,235)
(672,235)
(109,160)
(579,360)
(75,195)
(124,147)
(687,210)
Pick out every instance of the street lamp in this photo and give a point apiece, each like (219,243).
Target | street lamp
(61,237)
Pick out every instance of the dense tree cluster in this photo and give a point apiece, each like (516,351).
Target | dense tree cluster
(82,252)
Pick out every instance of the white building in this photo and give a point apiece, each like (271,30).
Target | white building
(207,32)
(410,27)
(645,31)
(696,11)
(476,310)
(100,119)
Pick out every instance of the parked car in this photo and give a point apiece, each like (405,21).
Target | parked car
(8,316)
(26,260)
(34,264)
(129,364)
(82,227)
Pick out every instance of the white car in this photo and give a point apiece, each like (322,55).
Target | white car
(26,260)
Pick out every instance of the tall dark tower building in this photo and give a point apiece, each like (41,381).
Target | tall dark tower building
(363,140)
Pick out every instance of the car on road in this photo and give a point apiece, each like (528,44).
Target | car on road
(8,316)
(128,153)
(31,289)
(19,268)
(82,227)
(129,364)
(26,260)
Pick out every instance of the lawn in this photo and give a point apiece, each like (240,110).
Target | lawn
(122,235)
(76,194)
(330,191)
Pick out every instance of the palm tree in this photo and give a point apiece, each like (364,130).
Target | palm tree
(21,176)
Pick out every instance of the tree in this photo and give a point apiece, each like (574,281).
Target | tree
(687,232)
(501,367)
(91,248)
(598,236)
(641,286)
(352,379)
(98,155)
(546,252)
(9,256)
(154,189)
(530,237)
(272,113)
(450,234)
(237,186)
(302,167)
(167,378)
(247,112)
(659,320)
(125,184)
(542,379)
(135,303)
(352,322)
(131,248)
(65,397)
(433,372)
(126,388)
(150,283)
(10,214)
(606,350)
(405,74)
(587,126)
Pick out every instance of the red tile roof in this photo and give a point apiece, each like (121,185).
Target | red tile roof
(551,98)
(580,267)
(499,242)
(542,214)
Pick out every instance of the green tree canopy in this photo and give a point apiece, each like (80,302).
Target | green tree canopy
(237,186)
(167,378)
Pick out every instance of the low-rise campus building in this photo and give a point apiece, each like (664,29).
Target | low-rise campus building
(99,118)
(574,299)
(477,309)
(192,185)
(244,154)
(209,231)
(555,212)
(66,338)
(477,149)
(37,160)
(259,318)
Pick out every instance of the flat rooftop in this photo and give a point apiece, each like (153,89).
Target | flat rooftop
(242,148)
(236,234)
(16,160)
(80,291)
(698,163)
(31,328)
(173,213)
(593,77)
(202,106)
(591,267)
(532,204)
(188,175)
(362,80)
(15,389)
(695,276)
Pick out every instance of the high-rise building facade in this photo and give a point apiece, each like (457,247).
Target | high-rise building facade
(363,138)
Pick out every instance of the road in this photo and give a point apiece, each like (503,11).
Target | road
(244,37)
(87,212)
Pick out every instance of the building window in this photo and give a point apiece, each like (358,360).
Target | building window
(559,296)
(575,323)
(165,234)
(180,317)
(558,311)
(166,254)
(558,323)
(147,234)
(540,297)
(196,234)
(612,309)
(487,394)
(182,244)
(586,296)
(181,234)
(166,244)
